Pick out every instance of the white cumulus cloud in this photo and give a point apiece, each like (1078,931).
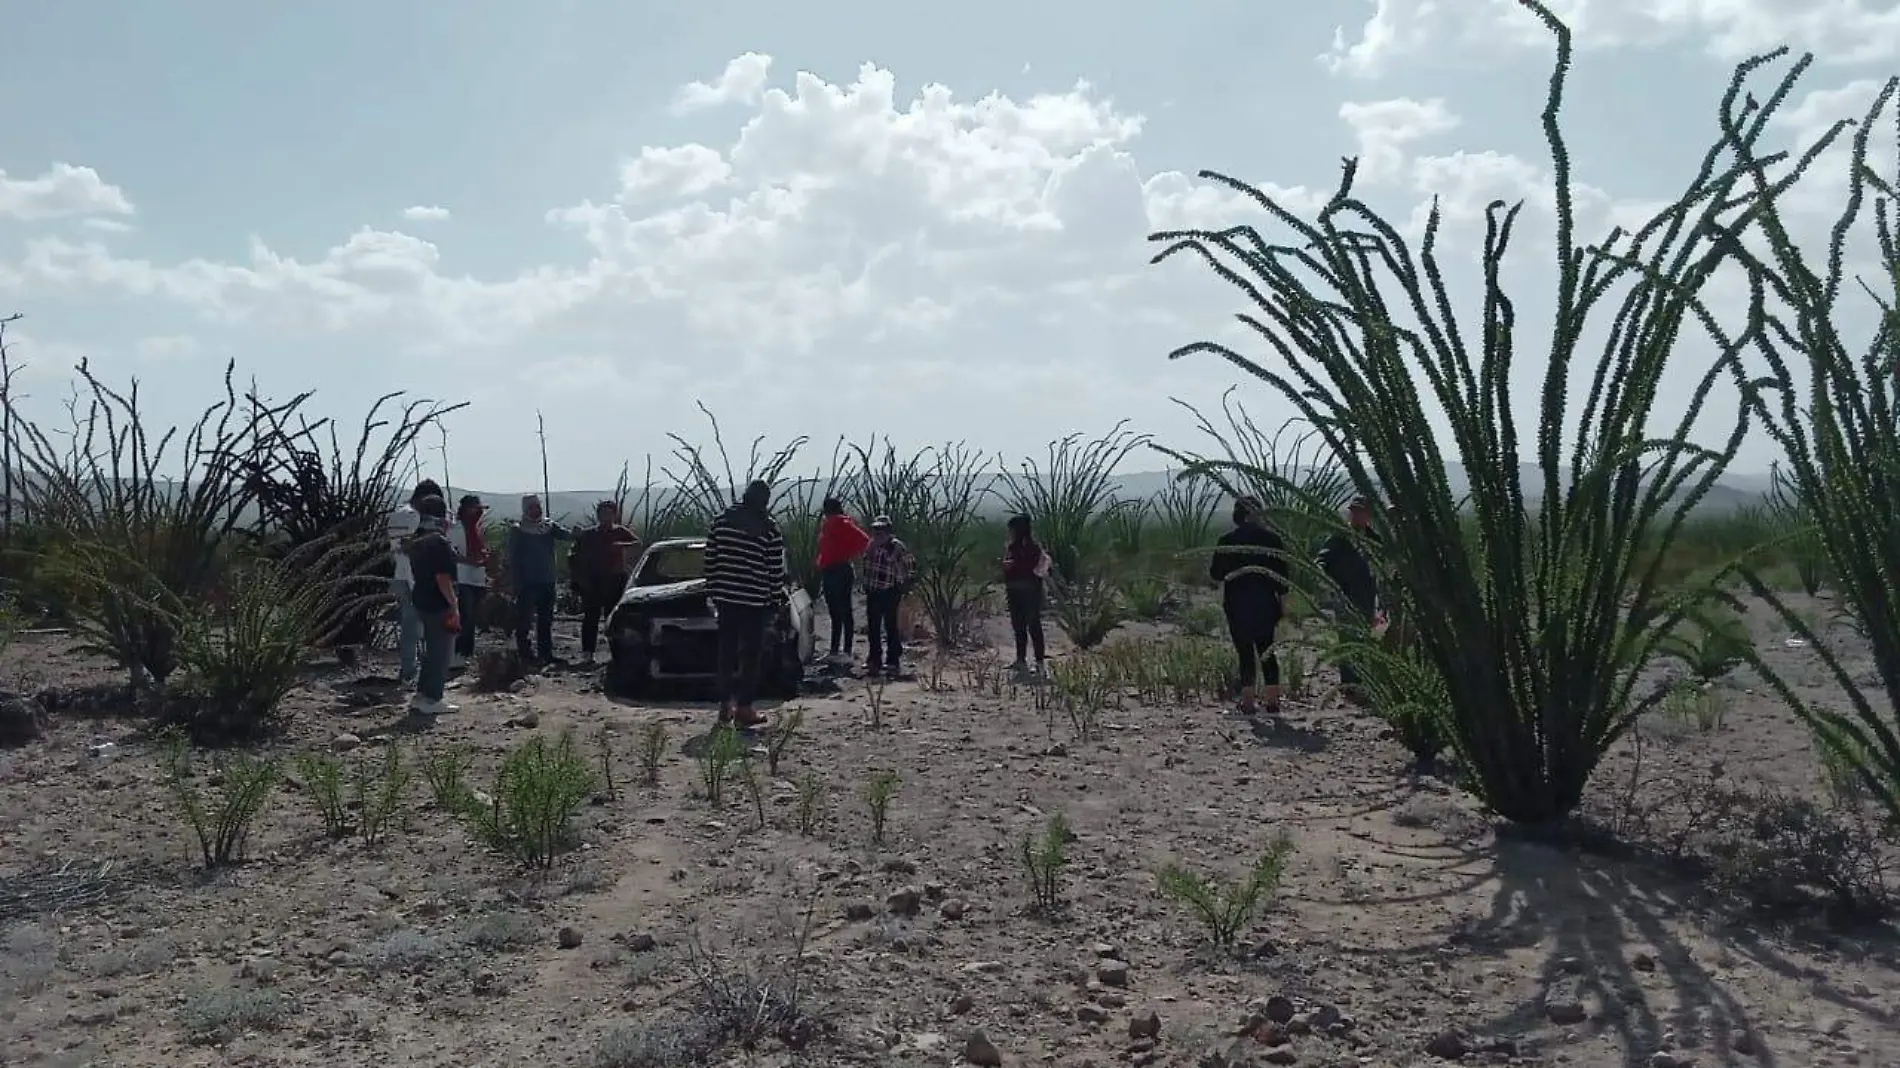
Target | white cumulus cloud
(841,259)
(426,213)
(740,83)
(1838,31)
(63,190)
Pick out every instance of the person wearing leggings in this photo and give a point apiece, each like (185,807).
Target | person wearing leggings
(840,541)
(1025,565)
(1249,565)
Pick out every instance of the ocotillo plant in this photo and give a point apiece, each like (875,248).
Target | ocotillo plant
(1541,619)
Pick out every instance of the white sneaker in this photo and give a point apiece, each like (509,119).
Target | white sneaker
(456,661)
(423,706)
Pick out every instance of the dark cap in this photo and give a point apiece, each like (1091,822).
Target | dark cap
(433,507)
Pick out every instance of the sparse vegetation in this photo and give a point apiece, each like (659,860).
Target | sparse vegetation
(322,777)
(220,814)
(537,792)
(1577,661)
(725,750)
(1227,909)
(879,791)
(1044,857)
(652,746)
(382,793)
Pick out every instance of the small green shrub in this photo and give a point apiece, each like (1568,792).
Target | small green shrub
(322,776)
(780,739)
(382,793)
(1044,858)
(1711,643)
(651,749)
(725,750)
(1088,609)
(221,816)
(879,791)
(1227,909)
(811,803)
(1702,705)
(537,792)
(447,775)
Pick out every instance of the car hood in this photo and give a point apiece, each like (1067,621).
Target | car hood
(671,591)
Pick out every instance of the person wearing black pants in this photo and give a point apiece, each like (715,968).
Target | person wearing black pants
(1346,561)
(1249,565)
(840,541)
(1025,565)
(745,576)
(889,568)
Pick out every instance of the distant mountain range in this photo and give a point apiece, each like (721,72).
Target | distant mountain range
(1737,490)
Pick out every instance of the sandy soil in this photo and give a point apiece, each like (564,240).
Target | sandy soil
(1408,931)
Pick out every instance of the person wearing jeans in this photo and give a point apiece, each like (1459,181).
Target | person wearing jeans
(433,561)
(1250,567)
(471,573)
(889,567)
(745,576)
(531,569)
(402,525)
(1025,566)
(840,541)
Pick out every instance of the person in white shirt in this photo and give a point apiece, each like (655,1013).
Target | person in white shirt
(402,525)
(471,572)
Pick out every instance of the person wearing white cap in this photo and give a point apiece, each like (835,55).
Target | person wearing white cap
(889,569)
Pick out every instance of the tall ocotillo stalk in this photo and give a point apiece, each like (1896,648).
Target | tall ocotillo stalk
(442,428)
(1540,622)
(1836,415)
(541,433)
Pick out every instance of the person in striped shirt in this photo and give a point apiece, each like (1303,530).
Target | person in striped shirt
(745,576)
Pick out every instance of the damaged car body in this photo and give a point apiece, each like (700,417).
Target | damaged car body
(666,630)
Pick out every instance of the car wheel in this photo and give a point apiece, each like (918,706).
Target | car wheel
(627,669)
(787,672)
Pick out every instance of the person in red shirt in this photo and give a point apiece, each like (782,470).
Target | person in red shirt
(1025,565)
(840,541)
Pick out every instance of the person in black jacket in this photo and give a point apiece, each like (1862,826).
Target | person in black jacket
(1250,566)
(1346,561)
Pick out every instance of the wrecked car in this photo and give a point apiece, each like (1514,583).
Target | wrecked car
(665,630)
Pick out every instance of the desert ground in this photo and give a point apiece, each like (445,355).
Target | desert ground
(1409,929)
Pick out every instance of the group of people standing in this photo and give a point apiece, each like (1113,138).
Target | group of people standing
(441,577)
(1250,566)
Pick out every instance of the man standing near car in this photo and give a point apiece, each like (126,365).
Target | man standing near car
(599,562)
(745,576)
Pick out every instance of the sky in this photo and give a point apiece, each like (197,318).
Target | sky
(919,223)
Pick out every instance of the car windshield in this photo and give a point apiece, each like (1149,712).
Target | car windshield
(680,564)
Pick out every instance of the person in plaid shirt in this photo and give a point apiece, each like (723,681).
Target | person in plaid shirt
(889,568)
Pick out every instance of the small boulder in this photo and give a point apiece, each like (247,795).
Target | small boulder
(980,1051)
